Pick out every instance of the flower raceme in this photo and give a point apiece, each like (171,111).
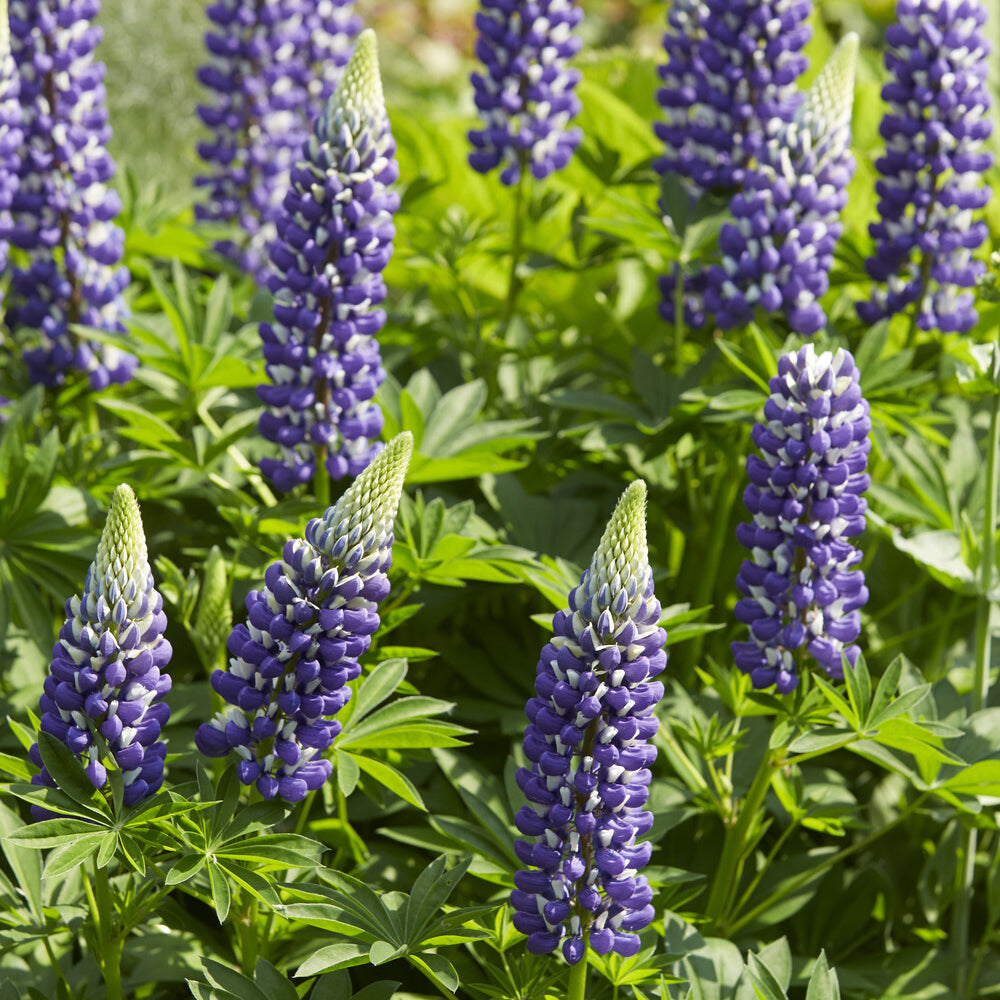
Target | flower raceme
(106,681)
(587,742)
(334,240)
(63,212)
(778,252)
(293,659)
(526,92)
(800,583)
(935,130)
(11,135)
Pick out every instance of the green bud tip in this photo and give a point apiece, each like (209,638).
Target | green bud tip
(622,552)
(373,498)
(360,88)
(830,100)
(121,553)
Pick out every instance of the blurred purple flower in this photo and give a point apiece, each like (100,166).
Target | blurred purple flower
(11,135)
(587,742)
(931,183)
(800,583)
(294,658)
(335,238)
(63,213)
(526,93)
(107,671)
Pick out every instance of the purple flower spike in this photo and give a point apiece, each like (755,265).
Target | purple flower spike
(800,584)
(63,213)
(934,130)
(778,253)
(331,27)
(293,659)
(107,674)
(526,93)
(11,135)
(728,84)
(335,238)
(257,119)
(588,743)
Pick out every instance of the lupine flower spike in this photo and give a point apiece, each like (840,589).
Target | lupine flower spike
(107,676)
(11,135)
(802,589)
(728,84)
(526,93)
(335,239)
(931,183)
(257,118)
(331,27)
(294,658)
(778,254)
(587,742)
(63,213)
(729,87)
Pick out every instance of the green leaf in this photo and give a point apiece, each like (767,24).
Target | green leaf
(187,867)
(348,772)
(438,969)
(981,778)
(378,685)
(823,983)
(220,891)
(272,983)
(382,951)
(342,955)
(765,984)
(66,858)
(51,832)
(66,769)
(390,778)
(232,981)
(859,687)
(887,685)
(432,887)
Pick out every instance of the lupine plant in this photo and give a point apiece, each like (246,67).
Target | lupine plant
(334,239)
(11,135)
(351,784)
(63,213)
(931,185)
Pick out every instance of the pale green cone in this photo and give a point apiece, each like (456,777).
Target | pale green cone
(358,104)
(213,618)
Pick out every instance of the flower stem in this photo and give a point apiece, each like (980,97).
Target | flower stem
(321,481)
(514,283)
(109,943)
(960,917)
(735,846)
(577,989)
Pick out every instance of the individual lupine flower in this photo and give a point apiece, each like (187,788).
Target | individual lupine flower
(334,240)
(294,658)
(931,180)
(526,94)
(778,252)
(801,583)
(588,745)
(11,135)
(257,117)
(107,676)
(728,84)
(63,213)
(331,27)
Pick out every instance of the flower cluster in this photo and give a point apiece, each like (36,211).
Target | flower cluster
(930,187)
(255,77)
(331,27)
(805,498)
(778,252)
(293,659)
(526,94)
(334,239)
(11,135)
(587,743)
(106,679)
(63,213)
(728,84)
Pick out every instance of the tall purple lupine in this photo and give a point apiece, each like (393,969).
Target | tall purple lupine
(256,117)
(526,93)
(63,213)
(931,184)
(801,585)
(331,27)
(778,252)
(293,659)
(11,135)
(334,240)
(107,671)
(729,84)
(587,742)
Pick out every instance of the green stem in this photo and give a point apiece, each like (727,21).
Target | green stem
(834,859)
(108,940)
(56,967)
(961,915)
(577,989)
(242,462)
(246,926)
(321,483)
(736,846)
(514,283)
